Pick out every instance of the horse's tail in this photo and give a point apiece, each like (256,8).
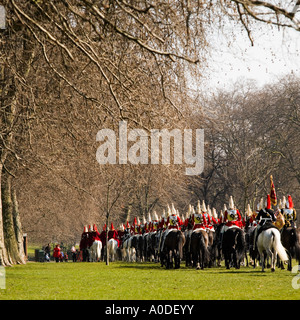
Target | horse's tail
(278,245)
(240,244)
(206,254)
(180,241)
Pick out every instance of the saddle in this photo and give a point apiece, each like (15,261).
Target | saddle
(267,225)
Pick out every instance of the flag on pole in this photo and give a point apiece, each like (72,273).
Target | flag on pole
(273,193)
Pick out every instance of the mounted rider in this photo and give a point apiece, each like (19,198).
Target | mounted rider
(155,222)
(94,235)
(134,227)
(288,212)
(232,219)
(205,214)
(162,225)
(265,217)
(198,219)
(251,215)
(212,214)
(113,234)
(121,233)
(83,246)
(173,223)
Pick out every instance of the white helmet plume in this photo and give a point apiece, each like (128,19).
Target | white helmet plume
(198,207)
(203,206)
(214,213)
(173,209)
(249,211)
(231,203)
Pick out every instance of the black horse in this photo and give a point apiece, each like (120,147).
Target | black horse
(290,239)
(233,247)
(173,249)
(249,242)
(216,249)
(199,248)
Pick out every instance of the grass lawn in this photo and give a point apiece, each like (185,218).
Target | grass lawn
(143,281)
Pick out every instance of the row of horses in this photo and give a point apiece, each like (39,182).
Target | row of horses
(206,248)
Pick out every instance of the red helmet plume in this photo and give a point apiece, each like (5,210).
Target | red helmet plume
(268,202)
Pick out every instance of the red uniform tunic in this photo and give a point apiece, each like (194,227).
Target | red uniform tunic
(232,218)
(199,221)
(174,222)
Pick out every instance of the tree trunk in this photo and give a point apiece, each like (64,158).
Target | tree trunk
(10,239)
(17,226)
(3,252)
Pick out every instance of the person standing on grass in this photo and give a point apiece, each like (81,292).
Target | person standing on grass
(56,253)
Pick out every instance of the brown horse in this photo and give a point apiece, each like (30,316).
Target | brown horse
(290,239)
(199,248)
(173,248)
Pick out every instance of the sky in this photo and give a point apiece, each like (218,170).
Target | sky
(275,53)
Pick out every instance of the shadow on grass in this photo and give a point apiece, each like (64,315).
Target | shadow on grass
(150,266)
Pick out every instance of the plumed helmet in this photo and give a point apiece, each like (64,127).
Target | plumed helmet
(259,206)
(290,202)
(154,216)
(149,217)
(284,202)
(203,206)
(169,211)
(112,226)
(268,202)
(231,203)
(214,213)
(208,210)
(248,211)
(95,227)
(198,207)
(173,209)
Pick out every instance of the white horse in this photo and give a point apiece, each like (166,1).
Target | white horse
(268,242)
(95,250)
(130,254)
(112,246)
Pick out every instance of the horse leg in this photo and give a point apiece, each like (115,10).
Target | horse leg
(272,256)
(262,261)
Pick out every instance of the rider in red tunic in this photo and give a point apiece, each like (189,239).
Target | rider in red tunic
(94,235)
(198,220)
(84,239)
(121,232)
(173,223)
(113,234)
(232,216)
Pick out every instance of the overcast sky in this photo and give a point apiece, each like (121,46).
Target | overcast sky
(275,53)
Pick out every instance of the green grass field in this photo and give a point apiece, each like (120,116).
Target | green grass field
(143,281)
